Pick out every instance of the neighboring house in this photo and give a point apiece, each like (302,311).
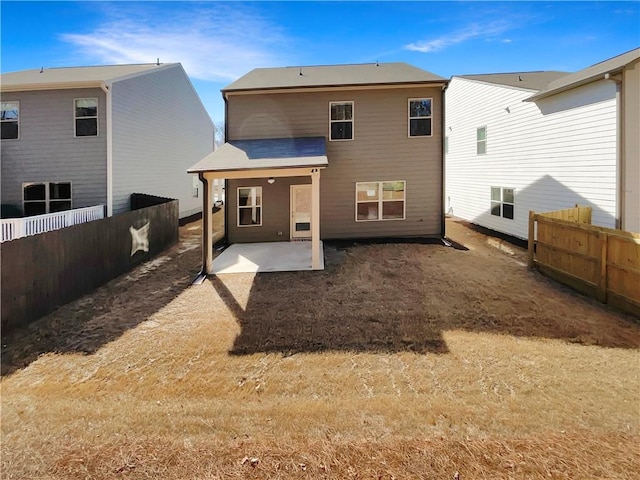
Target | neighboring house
(83,136)
(343,151)
(545,141)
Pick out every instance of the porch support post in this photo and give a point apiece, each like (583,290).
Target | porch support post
(315,219)
(207,225)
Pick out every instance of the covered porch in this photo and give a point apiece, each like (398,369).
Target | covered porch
(267,160)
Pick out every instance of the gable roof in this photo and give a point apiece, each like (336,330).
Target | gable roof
(590,74)
(265,153)
(332,76)
(71,77)
(526,80)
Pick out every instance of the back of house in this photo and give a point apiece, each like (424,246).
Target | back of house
(379,127)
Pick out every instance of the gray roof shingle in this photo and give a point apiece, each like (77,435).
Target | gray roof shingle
(57,77)
(332,76)
(588,75)
(526,80)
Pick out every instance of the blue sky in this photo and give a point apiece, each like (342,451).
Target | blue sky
(217,42)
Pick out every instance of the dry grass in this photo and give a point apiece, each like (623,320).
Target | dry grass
(398,361)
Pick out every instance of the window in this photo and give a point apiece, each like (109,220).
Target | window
(341,121)
(249,206)
(419,117)
(9,120)
(380,201)
(86,117)
(446,144)
(481,140)
(46,197)
(503,202)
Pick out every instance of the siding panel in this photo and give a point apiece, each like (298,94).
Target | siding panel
(556,153)
(160,129)
(47,150)
(381,150)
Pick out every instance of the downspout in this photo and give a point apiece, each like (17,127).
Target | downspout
(442,134)
(620,160)
(226,181)
(108,100)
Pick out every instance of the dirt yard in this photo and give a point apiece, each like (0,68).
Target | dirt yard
(396,361)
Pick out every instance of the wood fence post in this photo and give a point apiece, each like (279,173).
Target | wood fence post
(531,243)
(602,275)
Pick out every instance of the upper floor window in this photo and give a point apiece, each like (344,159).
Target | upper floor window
(481,140)
(503,202)
(249,206)
(86,117)
(9,120)
(341,121)
(46,197)
(380,201)
(419,117)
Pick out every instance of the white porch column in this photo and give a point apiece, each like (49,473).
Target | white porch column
(315,219)
(207,226)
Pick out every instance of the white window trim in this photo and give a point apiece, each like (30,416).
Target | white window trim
(238,207)
(502,202)
(47,198)
(485,140)
(353,121)
(417,118)
(6,121)
(75,133)
(381,201)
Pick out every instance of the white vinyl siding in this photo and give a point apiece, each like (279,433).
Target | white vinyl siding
(160,129)
(555,153)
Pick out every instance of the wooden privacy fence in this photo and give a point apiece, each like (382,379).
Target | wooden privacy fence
(600,262)
(41,272)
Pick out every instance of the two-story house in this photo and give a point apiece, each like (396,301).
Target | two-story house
(330,152)
(545,141)
(84,136)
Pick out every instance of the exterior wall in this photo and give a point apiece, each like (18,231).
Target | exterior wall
(275,209)
(160,129)
(381,150)
(631,148)
(47,150)
(555,153)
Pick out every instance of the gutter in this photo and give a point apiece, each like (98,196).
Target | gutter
(109,114)
(620,160)
(226,181)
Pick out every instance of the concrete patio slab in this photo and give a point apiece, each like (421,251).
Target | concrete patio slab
(266,257)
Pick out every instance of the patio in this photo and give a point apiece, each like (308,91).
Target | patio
(266,257)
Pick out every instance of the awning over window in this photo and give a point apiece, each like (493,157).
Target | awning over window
(265,154)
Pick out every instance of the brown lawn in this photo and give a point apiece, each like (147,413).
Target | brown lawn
(397,361)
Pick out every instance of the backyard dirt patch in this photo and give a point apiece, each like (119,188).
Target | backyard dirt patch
(408,360)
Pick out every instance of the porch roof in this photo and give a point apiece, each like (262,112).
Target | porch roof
(265,154)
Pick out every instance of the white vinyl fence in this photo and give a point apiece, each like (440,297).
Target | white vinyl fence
(13,228)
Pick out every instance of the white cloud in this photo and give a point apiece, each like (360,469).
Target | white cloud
(471,32)
(217,43)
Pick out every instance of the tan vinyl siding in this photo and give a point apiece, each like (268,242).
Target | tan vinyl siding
(47,150)
(160,129)
(275,209)
(381,150)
